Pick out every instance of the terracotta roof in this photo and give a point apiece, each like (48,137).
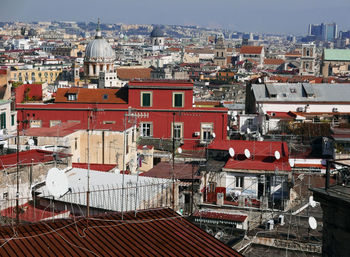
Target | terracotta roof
(86,95)
(273,61)
(134,73)
(165,170)
(59,130)
(219,215)
(251,49)
(30,213)
(293,54)
(94,166)
(27,157)
(159,232)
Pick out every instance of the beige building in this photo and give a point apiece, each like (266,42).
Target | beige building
(105,146)
(49,76)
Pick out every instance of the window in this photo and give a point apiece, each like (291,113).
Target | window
(105,97)
(177,131)
(206,132)
(54,123)
(3,120)
(178,100)
(239,182)
(75,143)
(146,129)
(72,97)
(12,120)
(250,122)
(127,143)
(146,99)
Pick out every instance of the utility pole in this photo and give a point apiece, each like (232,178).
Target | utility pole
(173,167)
(88,172)
(17,177)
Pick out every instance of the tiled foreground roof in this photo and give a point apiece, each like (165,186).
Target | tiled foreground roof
(158,232)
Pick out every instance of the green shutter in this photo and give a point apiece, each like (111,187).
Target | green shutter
(146,99)
(178,100)
(12,120)
(3,120)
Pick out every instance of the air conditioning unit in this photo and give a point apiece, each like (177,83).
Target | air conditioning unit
(197,134)
(300,109)
(335,110)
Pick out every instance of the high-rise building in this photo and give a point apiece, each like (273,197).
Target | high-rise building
(324,32)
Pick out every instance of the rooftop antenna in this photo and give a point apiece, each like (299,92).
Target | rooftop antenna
(277,155)
(56,182)
(312,222)
(247,153)
(98,30)
(231,151)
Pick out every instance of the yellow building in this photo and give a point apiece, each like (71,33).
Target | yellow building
(49,76)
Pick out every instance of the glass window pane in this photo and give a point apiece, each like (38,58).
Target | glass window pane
(178,100)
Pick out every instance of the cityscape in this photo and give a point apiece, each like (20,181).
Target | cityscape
(205,137)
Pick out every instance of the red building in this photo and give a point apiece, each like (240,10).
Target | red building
(160,108)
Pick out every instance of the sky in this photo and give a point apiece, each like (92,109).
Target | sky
(265,16)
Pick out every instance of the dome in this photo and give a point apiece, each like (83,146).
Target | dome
(157,32)
(99,50)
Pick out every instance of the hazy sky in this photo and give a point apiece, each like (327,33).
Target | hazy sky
(280,16)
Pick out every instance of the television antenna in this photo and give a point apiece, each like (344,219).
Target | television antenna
(312,222)
(291,162)
(231,151)
(247,153)
(277,155)
(56,182)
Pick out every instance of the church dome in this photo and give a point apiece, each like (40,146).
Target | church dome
(157,32)
(99,50)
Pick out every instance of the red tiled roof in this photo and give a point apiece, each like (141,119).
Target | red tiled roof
(251,49)
(258,164)
(158,232)
(273,61)
(165,170)
(60,130)
(94,166)
(282,115)
(30,213)
(134,73)
(219,215)
(27,157)
(87,95)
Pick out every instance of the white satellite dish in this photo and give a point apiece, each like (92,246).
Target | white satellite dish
(277,155)
(312,202)
(56,182)
(312,222)
(231,151)
(31,142)
(291,162)
(213,135)
(117,171)
(228,128)
(248,131)
(247,153)
(179,150)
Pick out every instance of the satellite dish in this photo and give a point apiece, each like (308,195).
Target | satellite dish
(277,155)
(248,130)
(291,162)
(231,152)
(117,171)
(228,128)
(312,222)
(213,135)
(56,182)
(179,150)
(312,202)
(247,153)
(31,142)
